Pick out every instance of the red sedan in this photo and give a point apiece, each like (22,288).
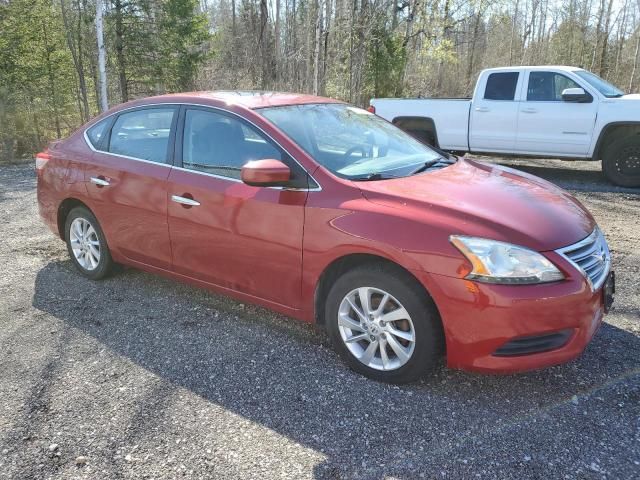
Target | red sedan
(329,214)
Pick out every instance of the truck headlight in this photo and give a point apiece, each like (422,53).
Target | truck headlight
(500,262)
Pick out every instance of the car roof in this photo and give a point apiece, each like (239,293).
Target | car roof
(247,98)
(563,68)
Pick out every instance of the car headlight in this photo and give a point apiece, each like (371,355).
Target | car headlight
(500,262)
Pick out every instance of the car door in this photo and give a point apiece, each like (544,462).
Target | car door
(224,232)
(549,125)
(127,182)
(494,113)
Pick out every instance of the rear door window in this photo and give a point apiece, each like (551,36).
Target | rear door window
(143,134)
(96,133)
(501,86)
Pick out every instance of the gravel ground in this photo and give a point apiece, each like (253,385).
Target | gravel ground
(142,377)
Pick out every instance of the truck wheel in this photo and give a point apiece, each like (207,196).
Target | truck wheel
(621,162)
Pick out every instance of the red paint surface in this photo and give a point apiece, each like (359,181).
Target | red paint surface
(271,246)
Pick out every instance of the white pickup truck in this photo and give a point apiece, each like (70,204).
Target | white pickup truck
(548,111)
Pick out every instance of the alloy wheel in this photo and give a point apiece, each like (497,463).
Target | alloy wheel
(376,328)
(85,243)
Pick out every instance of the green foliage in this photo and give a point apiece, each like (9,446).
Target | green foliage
(184,41)
(36,77)
(153,46)
(349,50)
(157,45)
(386,61)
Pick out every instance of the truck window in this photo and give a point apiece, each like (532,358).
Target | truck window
(501,86)
(548,86)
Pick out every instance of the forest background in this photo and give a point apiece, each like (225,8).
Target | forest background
(348,49)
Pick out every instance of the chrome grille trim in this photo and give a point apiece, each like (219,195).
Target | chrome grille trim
(591,257)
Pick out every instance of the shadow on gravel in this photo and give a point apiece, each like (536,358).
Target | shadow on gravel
(572,179)
(283,378)
(16,178)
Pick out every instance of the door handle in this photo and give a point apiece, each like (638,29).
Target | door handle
(188,202)
(482,109)
(529,110)
(101,182)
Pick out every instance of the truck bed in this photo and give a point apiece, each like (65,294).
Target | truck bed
(451,115)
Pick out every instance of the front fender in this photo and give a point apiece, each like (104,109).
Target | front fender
(362,227)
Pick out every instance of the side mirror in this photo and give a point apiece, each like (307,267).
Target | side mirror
(265,173)
(576,95)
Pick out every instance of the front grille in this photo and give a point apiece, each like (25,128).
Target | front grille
(591,257)
(533,344)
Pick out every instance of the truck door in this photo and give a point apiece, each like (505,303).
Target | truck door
(547,125)
(494,112)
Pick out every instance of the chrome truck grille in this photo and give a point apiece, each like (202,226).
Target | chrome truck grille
(591,257)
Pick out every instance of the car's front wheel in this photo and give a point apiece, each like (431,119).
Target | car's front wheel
(383,324)
(87,245)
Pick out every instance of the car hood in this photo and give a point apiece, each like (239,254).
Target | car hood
(489,201)
(629,96)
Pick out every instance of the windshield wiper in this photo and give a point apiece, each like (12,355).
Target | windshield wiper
(430,163)
(371,177)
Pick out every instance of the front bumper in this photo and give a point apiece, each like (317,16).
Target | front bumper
(480,318)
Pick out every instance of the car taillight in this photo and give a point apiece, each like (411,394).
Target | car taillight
(371,109)
(41,160)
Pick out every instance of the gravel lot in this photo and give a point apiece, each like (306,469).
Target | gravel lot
(141,377)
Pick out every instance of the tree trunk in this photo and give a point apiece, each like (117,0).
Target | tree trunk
(444,35)
(233,35)
(51,78)
(76,56)
(262,47)
(514,25)
(102,66)
(635,65)
(122,71)
(476,28)
(276,44)
(6,135)
(605,42)
(325,53)
(622,36)
(316,48)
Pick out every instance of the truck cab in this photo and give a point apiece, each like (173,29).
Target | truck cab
(541,111)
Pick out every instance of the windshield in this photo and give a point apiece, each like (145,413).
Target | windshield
(351,142)
(599,84)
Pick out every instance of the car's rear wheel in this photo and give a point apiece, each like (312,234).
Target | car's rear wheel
(621,162)
(87,245)
(383,324)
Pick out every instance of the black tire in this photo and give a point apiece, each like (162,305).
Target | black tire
(621,162)
(105,264)
(429,337)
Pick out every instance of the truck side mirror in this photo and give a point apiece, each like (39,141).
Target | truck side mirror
(576,95)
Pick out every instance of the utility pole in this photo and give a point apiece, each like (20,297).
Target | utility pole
(102,64)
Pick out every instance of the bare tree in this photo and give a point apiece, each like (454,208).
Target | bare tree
(75,48)
(102,64)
